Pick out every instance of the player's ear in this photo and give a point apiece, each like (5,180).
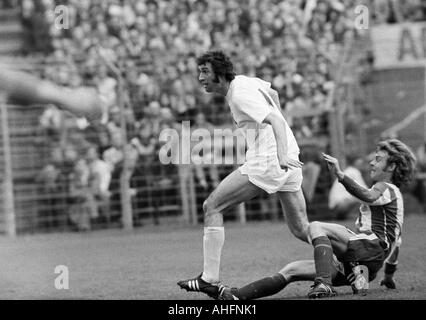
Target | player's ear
(391,167)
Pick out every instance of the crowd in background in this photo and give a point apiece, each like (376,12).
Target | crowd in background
(142,55)
(9,4)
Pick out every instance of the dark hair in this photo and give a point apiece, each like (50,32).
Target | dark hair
(403,158)
(221,64)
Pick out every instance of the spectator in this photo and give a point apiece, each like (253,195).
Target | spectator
(295,44)
(81,209)
(143,178)
(99,181)
(51,195)
(311,172)
(120,29)
(51,122)
(114,154)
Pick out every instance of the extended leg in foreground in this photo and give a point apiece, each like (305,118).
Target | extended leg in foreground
(303,270)
(233,190)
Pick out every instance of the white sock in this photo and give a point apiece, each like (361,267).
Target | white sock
(213,240)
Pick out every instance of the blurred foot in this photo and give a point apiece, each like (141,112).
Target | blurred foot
(83,102)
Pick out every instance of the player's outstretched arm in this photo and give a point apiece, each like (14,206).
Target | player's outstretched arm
(28,89)
(353,187)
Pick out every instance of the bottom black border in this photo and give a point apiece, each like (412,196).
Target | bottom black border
(194,310)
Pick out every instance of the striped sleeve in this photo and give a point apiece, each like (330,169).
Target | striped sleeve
(386,195)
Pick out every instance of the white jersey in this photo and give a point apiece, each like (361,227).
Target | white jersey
(250,103)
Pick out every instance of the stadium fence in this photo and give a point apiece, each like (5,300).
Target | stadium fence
(47,188)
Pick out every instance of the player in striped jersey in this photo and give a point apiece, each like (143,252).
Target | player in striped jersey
(379,224)
(337,250)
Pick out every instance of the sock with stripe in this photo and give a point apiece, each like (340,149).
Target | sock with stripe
(323,255)
(213,240)
(262,288)
(390,268)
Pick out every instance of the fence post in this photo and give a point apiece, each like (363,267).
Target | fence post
(8,196)
(337,134)
(242,213)
(126,201)
(192,197)
(336,114)
(183,175)
(424,115)
(187,193)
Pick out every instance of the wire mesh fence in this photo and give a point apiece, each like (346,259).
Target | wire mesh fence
(61,182)
(68,174)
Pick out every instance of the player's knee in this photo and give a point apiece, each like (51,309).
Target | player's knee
(314,229)
(301,234)
(315,225)
(288,272)
(209,207)
(300,231)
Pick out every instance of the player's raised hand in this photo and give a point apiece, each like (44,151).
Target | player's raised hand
(333,165)
(288,163)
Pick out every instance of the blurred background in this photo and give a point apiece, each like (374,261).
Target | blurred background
(348,73)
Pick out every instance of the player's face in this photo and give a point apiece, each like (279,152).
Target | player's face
(207,77)
(380,170)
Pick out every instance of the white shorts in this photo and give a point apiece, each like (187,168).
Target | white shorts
(266,173)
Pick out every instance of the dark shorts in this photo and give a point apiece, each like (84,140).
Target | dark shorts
(363,249)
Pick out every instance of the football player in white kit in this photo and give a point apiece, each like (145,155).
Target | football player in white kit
(272,162)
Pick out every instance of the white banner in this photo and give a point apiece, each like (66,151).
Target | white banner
(399,45)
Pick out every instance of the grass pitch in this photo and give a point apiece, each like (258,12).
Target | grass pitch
(147,262)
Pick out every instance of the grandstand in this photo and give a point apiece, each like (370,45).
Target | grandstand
(140,55)
(12,31)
